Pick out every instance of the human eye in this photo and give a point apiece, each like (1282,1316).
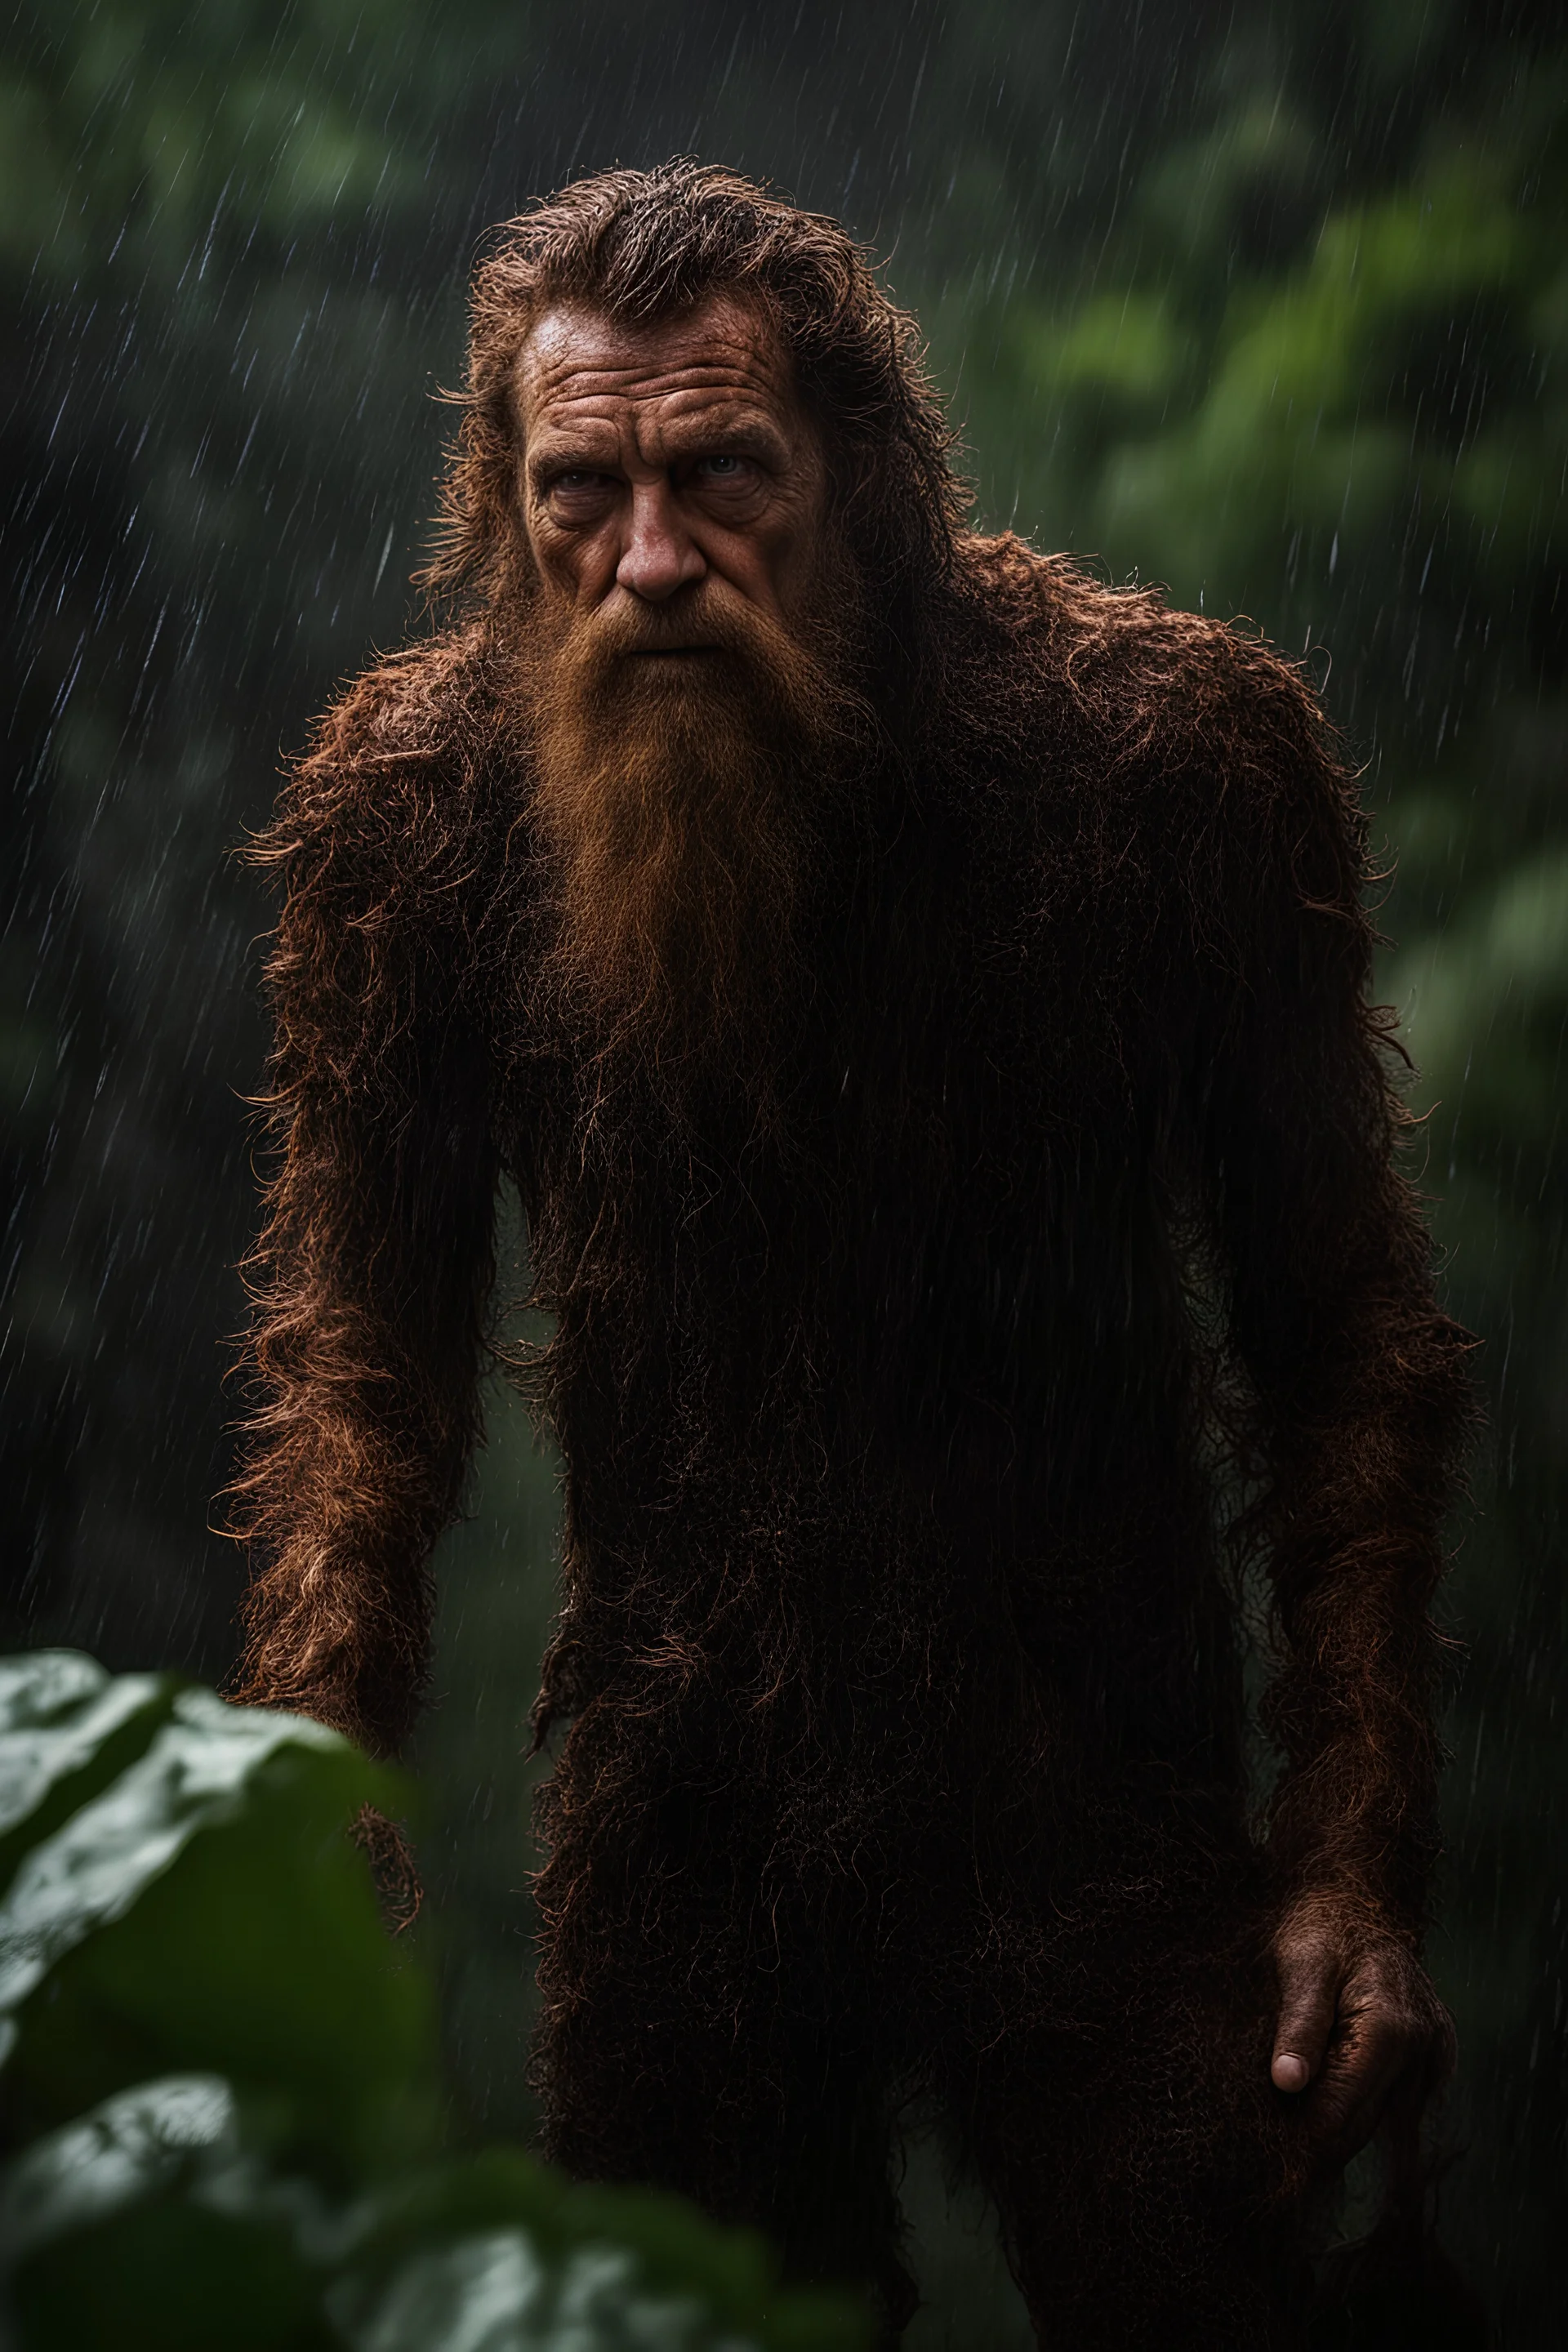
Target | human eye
(576,490)
(724,468)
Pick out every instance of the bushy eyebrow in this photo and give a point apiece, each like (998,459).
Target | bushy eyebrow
(594,446)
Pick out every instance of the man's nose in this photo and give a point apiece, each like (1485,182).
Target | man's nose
(661,554)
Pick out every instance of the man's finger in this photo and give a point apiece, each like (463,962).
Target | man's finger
(1356,2085)
(1309,1996)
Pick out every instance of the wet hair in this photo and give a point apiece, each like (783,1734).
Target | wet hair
(896,1679)
(647,246)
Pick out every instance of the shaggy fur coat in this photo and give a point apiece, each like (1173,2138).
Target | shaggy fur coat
(919,1423)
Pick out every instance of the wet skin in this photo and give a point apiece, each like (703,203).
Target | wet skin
(657,460)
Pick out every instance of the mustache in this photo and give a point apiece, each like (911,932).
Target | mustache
(801,684)
(708,618)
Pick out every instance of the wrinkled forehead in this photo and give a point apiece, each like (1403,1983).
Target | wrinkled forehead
(578,360)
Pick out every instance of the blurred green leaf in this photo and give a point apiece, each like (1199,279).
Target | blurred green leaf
(202,1906)
(66,1729)
(1131,345)
(202,1909)
(147,2224)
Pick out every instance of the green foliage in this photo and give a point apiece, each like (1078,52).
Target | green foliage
(178,123)
(153,1833)
(220,2081)
(1393,390)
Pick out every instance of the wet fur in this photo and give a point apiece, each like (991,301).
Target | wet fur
(916,1434)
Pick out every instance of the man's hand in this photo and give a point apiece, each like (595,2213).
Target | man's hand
(1359,2025)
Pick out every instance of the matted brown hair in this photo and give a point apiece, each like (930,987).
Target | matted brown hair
(645,245)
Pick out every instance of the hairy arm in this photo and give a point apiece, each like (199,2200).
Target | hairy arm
(372,1275)
(1360,1398)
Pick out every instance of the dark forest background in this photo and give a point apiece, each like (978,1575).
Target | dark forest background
(1267,302)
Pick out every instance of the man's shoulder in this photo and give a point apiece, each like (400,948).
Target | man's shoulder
(1134,692)
(389,775)
(1126,652)
(422,702)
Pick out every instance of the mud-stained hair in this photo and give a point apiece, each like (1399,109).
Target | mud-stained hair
(647,246)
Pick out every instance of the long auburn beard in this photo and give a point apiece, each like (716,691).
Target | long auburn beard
(688,811)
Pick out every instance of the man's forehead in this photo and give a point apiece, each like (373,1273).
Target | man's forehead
(577,354)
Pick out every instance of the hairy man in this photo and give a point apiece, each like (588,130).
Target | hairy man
(920,996)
